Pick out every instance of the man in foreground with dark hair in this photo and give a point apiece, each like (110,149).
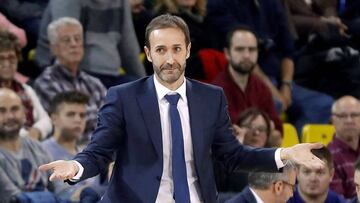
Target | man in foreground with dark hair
(164,130)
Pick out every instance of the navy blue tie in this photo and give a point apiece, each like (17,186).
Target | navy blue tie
(181,189)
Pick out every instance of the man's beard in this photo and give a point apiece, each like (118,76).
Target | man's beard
(167,78)
(11,134)
(243,69)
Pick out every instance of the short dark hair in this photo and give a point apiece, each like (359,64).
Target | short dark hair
(324,154)
(251,114)
(167,21)
(70,97)
(9,42)
(240,28)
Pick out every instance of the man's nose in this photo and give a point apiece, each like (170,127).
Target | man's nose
(170,58)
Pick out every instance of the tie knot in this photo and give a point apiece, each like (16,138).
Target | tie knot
(173,98)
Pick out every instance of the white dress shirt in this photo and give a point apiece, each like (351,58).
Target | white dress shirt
(166,188)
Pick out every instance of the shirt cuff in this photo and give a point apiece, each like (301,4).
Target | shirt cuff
(279,162)
(77,177)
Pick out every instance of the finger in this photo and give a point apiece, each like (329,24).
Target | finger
(316,145)
(47,167)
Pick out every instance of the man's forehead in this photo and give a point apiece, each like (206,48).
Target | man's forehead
(167,33)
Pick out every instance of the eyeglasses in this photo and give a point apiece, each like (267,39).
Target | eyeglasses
(260,129)
(12,59)
(345,115)
(67,40)
(293,186)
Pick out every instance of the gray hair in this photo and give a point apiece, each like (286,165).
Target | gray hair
(263,180)
(54,25)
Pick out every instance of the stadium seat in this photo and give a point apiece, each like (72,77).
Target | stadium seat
(290,137)
(318,133)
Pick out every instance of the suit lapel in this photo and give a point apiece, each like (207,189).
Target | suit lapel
(195,105)
(149,106)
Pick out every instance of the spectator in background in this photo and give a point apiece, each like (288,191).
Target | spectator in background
(66,42)
(111,46)
(269,187)
(38,123)
(68,115)
(276,67)
(194,14)
(345,147)
(313,184)
(253,128)
(5,24)
(244,89)
(20,156)
(27,15)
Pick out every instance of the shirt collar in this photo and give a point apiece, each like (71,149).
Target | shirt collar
(257,198)
(161,90)
(65,71)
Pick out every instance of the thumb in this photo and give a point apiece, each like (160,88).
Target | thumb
(317,145)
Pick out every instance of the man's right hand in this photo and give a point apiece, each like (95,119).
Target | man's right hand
(61,170)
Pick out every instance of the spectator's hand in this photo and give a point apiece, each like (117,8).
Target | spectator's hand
(34,133)
(61,170)
(137,6)
(239,133)
(275,138)
(301,154)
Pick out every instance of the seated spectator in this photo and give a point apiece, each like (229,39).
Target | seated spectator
(38,123)
(268,187)
(112,51)
(66,42)
(315,17)
(253,129)
(27,15)
(243,89)
(20,156)
(68,115)
(276,66)
(193,12)
(345,147)
(18,32)
(357,181)
(313,184)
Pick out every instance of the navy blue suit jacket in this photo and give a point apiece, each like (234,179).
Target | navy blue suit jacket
(246,196)
(129,126)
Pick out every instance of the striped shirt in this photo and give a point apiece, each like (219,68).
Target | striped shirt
(344,158)
(57,78)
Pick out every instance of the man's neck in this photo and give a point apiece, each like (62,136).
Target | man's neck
(352,141)
(71,67)
(69,145)
(318,199)
(265,195)
(6,83)
(12,145)
(241,80)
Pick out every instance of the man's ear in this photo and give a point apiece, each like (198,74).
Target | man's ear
(188,50)
(278,187)
(54,118)
(227,53)
(147,52)
(54,49)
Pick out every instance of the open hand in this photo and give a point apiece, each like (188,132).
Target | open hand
(301,154)
(61,170)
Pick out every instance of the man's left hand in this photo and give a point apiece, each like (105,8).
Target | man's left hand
(301,154)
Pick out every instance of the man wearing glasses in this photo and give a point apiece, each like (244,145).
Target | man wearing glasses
(345,145)
(269,187)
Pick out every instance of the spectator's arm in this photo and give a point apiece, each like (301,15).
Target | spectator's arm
(8,188)
(20,33)
(129,47)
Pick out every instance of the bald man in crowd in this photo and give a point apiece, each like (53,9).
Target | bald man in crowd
(345,145)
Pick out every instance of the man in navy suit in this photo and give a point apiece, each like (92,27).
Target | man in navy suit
(269,187)
(139,123)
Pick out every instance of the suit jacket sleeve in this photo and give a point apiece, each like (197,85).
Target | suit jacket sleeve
(106,138)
